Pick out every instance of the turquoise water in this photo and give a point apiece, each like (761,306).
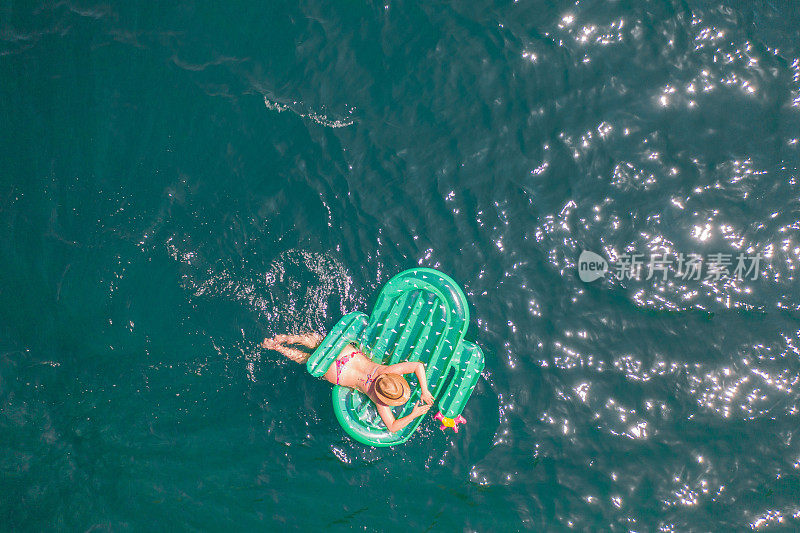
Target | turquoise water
(179,182)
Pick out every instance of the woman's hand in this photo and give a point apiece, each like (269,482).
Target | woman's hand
(393,425)
(420,409)
(426,397)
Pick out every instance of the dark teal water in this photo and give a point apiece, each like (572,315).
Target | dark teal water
(177,182)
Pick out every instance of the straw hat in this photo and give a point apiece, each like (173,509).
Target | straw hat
(392,389)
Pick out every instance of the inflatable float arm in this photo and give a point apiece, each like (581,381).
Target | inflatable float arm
(453,400)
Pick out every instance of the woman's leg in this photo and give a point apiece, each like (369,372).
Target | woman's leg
(309,340)
(292,353)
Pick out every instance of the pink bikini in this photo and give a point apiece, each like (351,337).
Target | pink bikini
(342,361)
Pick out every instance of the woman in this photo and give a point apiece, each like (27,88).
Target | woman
(384,385)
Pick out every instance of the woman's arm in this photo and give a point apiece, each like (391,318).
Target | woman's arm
(419,370)
(393,425)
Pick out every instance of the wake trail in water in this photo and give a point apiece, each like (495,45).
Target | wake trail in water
(301,291)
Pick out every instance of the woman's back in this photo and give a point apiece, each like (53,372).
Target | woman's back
(353,369)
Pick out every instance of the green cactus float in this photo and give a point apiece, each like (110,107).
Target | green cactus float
(420,315)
